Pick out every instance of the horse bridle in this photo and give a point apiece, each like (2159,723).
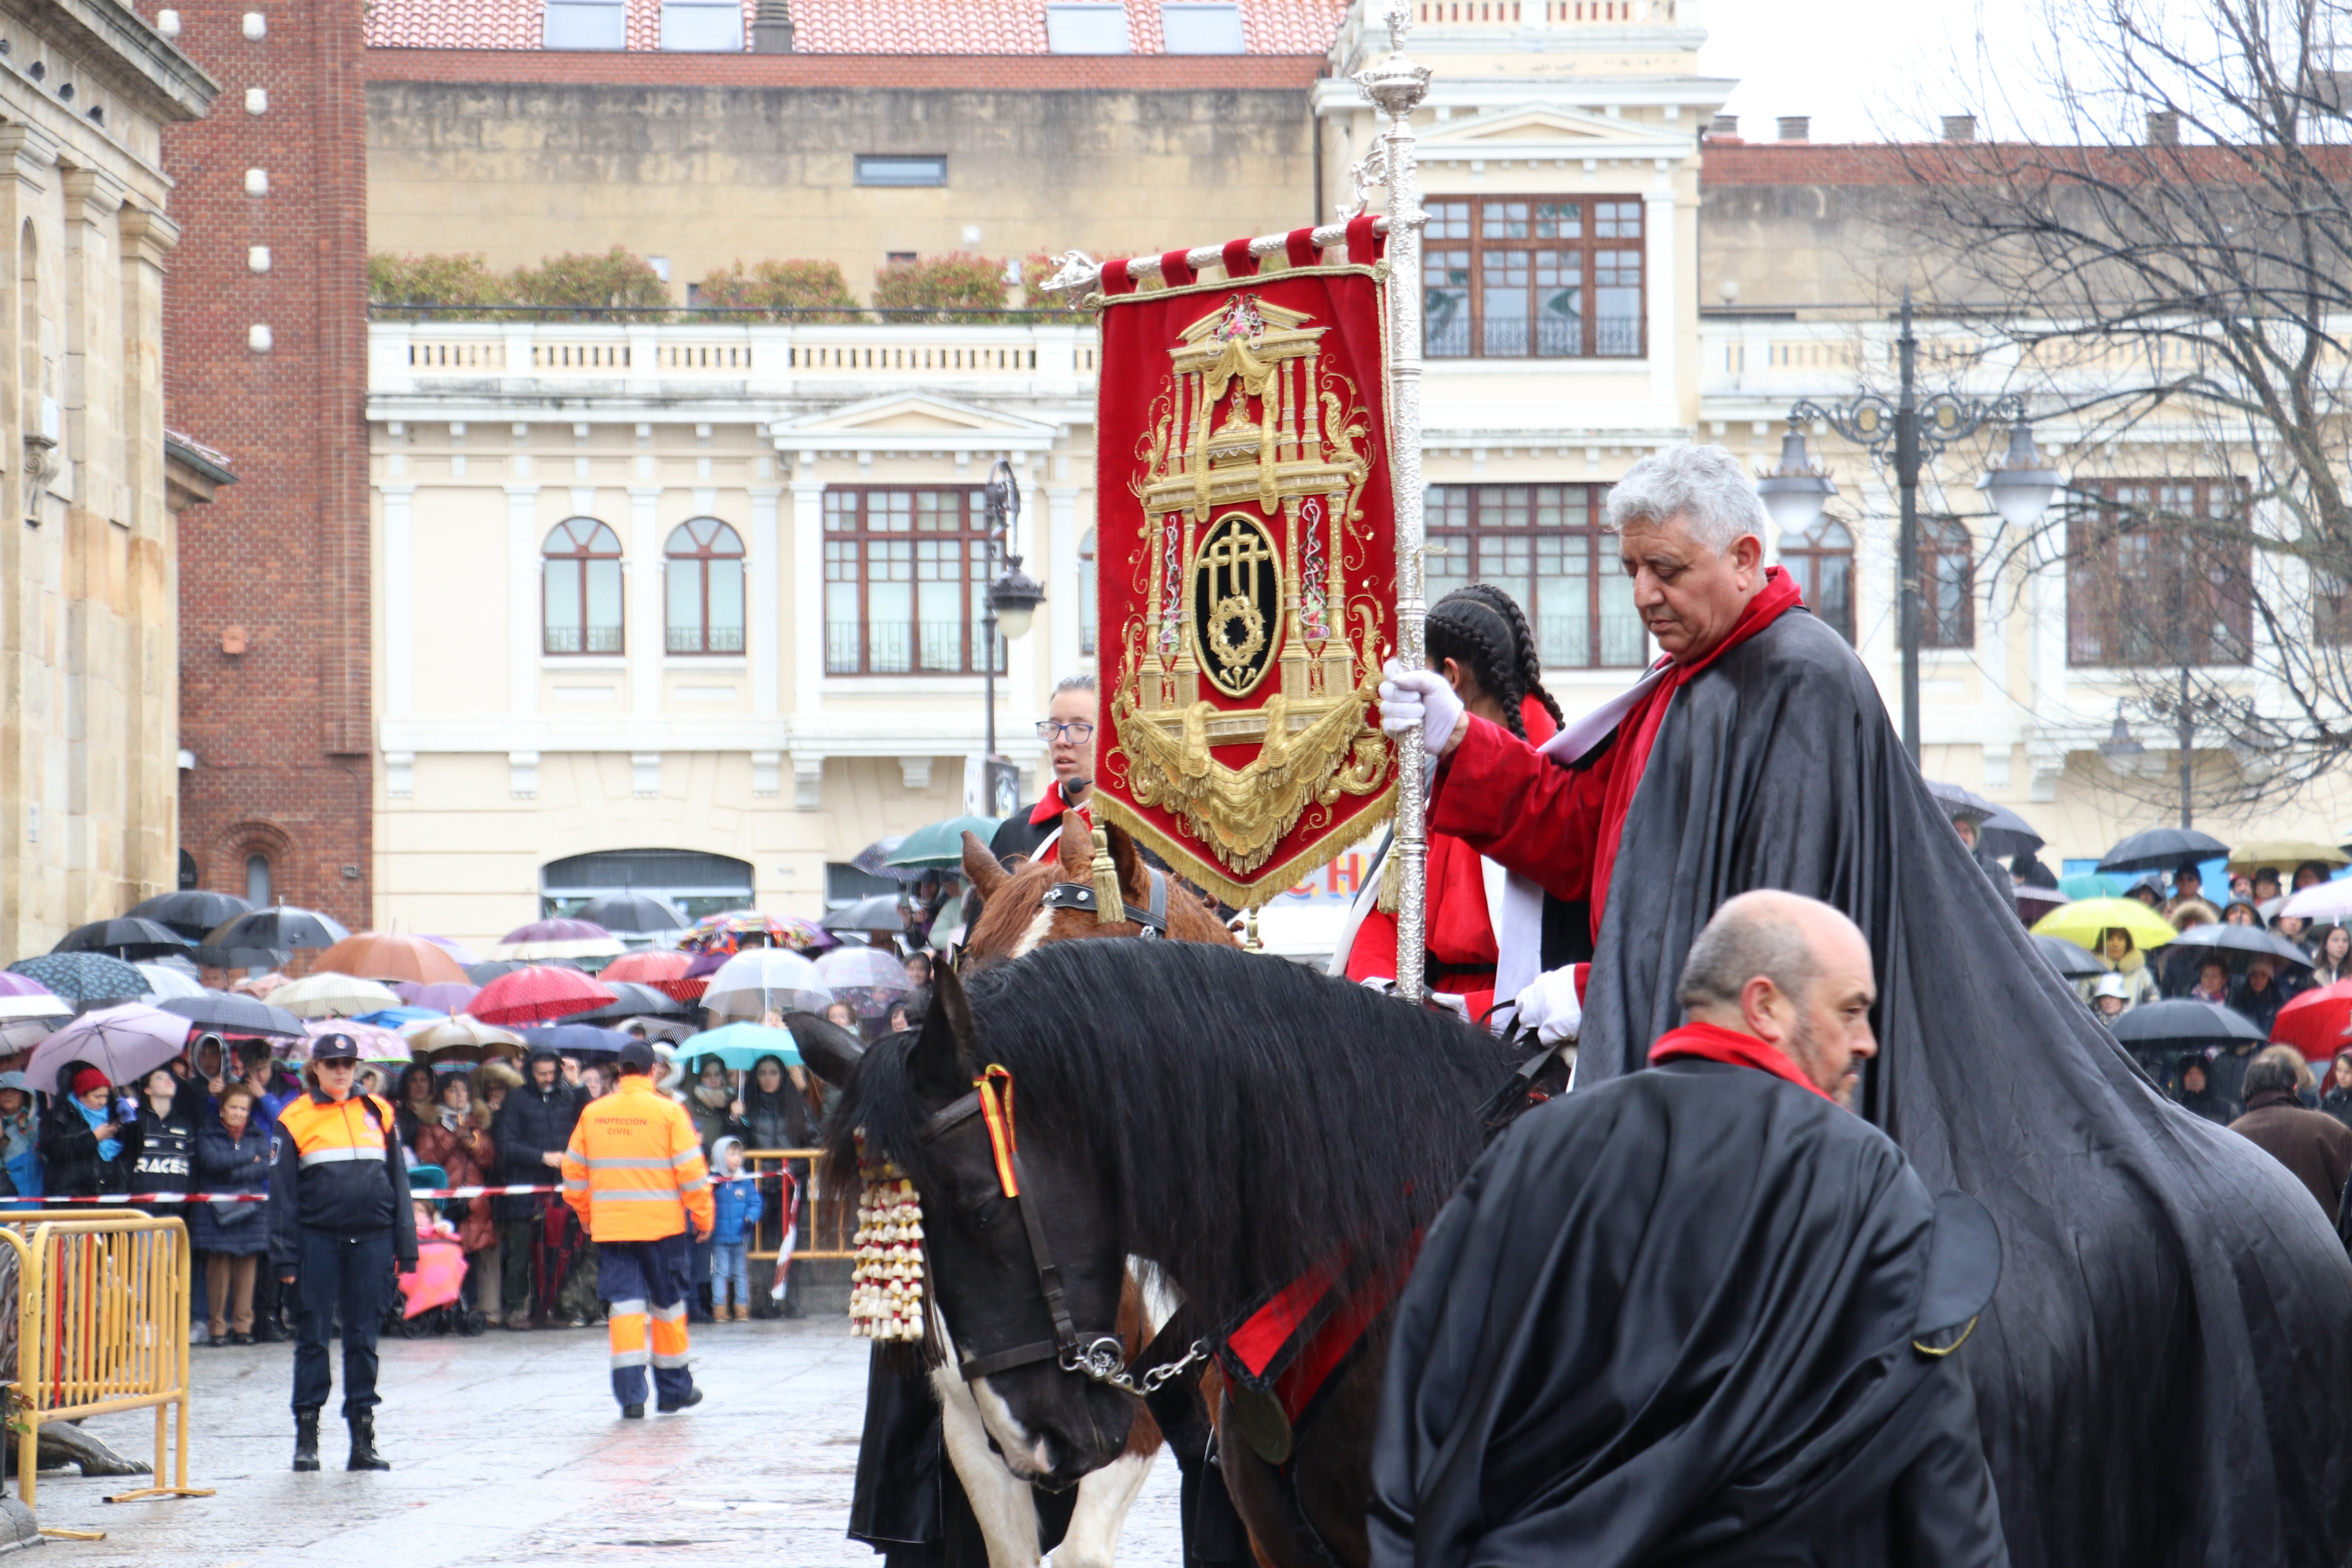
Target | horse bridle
(1081,896)
(1102,1357)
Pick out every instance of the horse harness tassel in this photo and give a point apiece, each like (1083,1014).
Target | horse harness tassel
(1102,1357)
(1088,896)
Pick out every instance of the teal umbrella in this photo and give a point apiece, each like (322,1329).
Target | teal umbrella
(2085,885)
(741,1046)
(939,846)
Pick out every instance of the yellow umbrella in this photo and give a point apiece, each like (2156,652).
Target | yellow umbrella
(2081,921)
(2285,855)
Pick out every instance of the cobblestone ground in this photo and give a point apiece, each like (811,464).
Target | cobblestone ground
(507,1449)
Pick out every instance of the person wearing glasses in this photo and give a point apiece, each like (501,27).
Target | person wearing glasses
(1068,731)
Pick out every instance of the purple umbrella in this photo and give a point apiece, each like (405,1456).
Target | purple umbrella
(452,946)
(125,1043)
(442,996)
(555,931)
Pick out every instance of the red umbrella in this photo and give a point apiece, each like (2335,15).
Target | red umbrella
(538,994)
(2318,1022)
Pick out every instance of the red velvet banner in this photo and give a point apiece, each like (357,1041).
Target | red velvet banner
(1248,569)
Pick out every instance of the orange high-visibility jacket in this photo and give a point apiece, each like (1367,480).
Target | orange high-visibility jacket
(635,1169)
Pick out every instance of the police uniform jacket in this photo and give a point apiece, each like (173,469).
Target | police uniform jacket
(338,1169)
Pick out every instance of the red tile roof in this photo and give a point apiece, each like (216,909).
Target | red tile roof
(851,26)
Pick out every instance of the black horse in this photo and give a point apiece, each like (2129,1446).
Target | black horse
(1156,1114)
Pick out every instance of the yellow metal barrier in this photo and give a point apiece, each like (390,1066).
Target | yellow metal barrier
(101,1326)
(832,1216)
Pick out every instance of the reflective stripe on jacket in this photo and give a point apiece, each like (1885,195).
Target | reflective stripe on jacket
(635,1168)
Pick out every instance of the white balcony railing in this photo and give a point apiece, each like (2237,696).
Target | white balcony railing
(1053,359)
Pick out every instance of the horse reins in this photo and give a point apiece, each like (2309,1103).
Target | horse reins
(1081,896)
(1102,1357)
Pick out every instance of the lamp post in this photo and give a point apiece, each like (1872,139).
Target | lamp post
(2019,488)
(1013,598)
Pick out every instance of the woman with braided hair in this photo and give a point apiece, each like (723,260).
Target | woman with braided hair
(1479,639)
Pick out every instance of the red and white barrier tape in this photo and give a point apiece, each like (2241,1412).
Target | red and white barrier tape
(264,1197)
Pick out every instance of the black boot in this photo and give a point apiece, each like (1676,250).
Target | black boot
(306,1439)
(363,1454)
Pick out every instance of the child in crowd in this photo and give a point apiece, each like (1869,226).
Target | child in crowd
(737,1219)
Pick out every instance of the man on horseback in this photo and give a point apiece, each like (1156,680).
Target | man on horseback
(1699,1314)
(1757,753)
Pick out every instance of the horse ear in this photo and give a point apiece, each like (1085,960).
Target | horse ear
(1076,848)
(944,1061)
(1133,875)
(831,1051)
(981,868)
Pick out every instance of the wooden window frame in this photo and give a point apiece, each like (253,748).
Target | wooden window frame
(1484,517)
(1484,233)
(2103,618)
(851,532)
(1933,632)
(586,555)
(699,560)
(1801,558)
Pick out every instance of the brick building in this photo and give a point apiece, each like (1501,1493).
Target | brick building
(264,313)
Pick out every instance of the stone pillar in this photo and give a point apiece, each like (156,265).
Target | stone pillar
(763,605)
(647,638)
(523,592)
(808,596)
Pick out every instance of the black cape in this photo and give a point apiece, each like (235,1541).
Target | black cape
(2165,1376)
(1673,1320)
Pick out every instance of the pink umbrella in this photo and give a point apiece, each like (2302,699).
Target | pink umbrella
(536,995)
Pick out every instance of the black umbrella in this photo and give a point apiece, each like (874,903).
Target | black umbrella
(2251,941)
(631,1001)
(489,969)
(2162,849)
(2069,960)
(213,957)
(871,859)
(632,912)
(2181,1023)
(192,911)
(1959,802)
(584,1041)
(279,927)
(880,912)
(125,938)
(2006,833)
(235,1015)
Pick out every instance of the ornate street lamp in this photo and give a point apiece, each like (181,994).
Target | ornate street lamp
(2019,487)
(1014,596)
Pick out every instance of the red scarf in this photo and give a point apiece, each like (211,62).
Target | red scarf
(1638,728)
(1710,1042)
(1049,808)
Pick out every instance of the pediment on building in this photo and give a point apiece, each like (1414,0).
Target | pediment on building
(1545,130)
(895,417)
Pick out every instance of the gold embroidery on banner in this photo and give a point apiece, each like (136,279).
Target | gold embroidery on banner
(1252,492)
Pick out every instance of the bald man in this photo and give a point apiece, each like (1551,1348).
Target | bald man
(1701,1314)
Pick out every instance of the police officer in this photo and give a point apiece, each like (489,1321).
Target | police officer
(635,1172)
(339,1219)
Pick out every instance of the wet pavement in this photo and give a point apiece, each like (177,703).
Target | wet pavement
(507,1449)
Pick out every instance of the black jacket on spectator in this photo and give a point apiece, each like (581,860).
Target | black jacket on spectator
(226,1165)
(161,1152)
(2261,1007)
(533,1122)
(2225,1075)
(70,1162)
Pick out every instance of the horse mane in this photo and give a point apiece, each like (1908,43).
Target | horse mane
(1249,1118)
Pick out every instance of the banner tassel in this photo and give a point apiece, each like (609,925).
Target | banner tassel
(1110,904)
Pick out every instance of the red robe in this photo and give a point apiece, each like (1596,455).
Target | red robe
(1460,927)
(1560,826)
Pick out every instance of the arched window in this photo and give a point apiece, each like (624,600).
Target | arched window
(1947,584)
(583,588)
(705,587)
(257,880)
(1086,592)
(1821,561)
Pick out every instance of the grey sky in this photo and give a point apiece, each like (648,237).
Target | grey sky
(1866,72)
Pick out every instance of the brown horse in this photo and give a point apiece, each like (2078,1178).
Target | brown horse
(1017,919)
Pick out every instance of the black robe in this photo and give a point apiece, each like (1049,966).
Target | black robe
(1675,1319)
(2165,1376)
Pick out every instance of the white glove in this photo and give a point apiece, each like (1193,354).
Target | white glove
(1458,1005)
(1550,1007)
(1410,697)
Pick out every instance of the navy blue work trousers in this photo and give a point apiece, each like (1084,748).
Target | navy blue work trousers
(647,1283)
(350,1274)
